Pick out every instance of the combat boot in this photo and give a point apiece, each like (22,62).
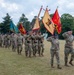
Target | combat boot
(71,62)
(52,66)
(66,64)
(58,66)
(26,53)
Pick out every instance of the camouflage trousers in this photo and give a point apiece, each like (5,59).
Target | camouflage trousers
(35,48)
(7,44)
(68,51)
(56,54)
(41,49)
(14,46)
(28,49)
(19,48)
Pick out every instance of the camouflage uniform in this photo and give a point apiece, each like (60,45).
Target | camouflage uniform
(68,47)
(40,45)
(26,44)
(29,45)
(33,44)
(54,50)
(8,40)
(14,42)
(5,41)
(19,43)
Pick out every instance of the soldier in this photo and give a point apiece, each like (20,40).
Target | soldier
(33,43)
(29,44)
(5,41)
(14,42)
(40,44)
(19,43)
(54,50)
(68,47)
(8,41)
(26,44)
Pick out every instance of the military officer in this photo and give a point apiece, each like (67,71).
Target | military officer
(54,50)
(68,46)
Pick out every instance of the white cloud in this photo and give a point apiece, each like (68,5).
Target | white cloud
(9,7)
(70,5)
(31,7)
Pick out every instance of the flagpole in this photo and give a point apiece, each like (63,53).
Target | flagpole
(40,11)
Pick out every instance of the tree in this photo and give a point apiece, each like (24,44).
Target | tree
(67,22)
(5,27)
(25,22)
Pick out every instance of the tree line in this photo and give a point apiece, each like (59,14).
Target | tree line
(67,21)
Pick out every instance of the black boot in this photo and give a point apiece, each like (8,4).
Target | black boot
(71,62)
(58,66)
(52,66)
(66,64)
(26,53)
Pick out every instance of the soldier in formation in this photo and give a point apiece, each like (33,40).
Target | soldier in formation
(19,43)
(34,44)
(69,38)
(14,41)
(54,50)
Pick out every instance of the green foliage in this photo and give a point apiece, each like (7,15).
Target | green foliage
(1,27)
(67,22)
(25,22)
(42,28)
(5,27)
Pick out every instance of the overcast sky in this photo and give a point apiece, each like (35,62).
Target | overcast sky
(31,8)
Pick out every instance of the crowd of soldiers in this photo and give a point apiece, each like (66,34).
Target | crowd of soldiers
(33,43)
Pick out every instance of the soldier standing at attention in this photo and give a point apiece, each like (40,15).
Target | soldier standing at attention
(54,50)
(19,43)
(68,47)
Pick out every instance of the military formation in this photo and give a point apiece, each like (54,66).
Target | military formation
(33,45)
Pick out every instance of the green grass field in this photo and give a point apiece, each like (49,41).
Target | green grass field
(13,64)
